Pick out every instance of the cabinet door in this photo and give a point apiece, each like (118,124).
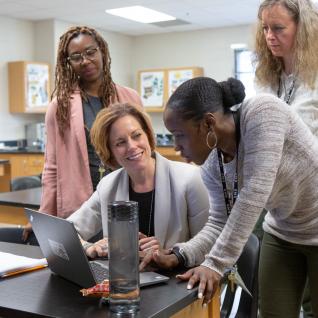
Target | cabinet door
(28,87)
(34,165)
(170,153)
(24,164)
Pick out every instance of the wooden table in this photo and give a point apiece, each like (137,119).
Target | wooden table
(13,202)
(29,198)
(43,294)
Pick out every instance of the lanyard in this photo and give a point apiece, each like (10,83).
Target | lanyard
(288,94)
(228,203)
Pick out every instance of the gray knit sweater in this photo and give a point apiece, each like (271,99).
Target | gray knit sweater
(278,170)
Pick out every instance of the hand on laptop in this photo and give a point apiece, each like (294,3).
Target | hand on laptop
(161,258)
(148,242)
(98,249)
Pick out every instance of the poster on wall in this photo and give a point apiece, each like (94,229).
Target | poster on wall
(177,77)
(37,81)
(152,88)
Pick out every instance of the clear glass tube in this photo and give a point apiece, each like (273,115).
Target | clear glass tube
(123,229)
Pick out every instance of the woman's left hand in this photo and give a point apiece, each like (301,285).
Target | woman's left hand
(146,242)
(98,249)
(207,278)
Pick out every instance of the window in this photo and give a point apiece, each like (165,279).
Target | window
(244,70)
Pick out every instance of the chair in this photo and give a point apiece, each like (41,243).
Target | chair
(248,269)
(22,183)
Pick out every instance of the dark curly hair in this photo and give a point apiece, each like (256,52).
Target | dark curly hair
(202,95)
(66,80)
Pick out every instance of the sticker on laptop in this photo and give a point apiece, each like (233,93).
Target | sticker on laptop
(58,249)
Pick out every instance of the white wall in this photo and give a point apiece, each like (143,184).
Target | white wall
(44,45)
(209,48)
(17,43)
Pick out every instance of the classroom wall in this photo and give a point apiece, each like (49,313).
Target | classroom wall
(17,43)
(209,48)
(38,41)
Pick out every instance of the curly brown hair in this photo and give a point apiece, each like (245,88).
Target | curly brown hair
(66,81)
(269,67)
(103,123)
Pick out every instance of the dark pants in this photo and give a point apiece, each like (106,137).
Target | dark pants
(307,308)
(284,268)
(14,235)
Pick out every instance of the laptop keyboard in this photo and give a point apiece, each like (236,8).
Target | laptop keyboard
(100,272)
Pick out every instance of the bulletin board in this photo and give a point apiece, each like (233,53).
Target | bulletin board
(157,85)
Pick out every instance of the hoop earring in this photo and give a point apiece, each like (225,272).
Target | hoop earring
(207,140)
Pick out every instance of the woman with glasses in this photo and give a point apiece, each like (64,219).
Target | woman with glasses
(83,86)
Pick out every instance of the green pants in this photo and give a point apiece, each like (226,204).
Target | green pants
(283,271)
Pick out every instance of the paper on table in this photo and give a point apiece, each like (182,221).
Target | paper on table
(11,264)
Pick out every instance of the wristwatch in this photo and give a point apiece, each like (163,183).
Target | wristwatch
(181,259)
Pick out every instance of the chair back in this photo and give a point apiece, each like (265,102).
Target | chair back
(28,182)
(247,265)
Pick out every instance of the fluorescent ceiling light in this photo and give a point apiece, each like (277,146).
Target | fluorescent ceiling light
(141,14)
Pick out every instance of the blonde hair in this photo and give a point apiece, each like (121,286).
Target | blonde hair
(103,123)
(269,67)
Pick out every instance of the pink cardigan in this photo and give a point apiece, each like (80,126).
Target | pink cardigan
(66,180)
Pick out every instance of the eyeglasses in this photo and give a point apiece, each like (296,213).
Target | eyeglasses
(89,54)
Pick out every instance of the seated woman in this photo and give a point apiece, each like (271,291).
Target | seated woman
(173,202)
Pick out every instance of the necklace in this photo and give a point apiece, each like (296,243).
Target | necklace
(151,211)
(288,92)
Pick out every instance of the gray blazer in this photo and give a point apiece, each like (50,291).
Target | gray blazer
(181,202)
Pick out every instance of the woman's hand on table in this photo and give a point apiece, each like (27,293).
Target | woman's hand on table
(26,231)
(98,249)
(207,278)
(161,258)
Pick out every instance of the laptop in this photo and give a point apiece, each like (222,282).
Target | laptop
(66,257)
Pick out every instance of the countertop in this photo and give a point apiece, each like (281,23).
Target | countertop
(21,151)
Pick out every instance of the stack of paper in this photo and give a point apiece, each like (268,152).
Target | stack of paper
(11,264)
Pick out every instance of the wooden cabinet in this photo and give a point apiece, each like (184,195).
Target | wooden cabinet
(5,176)
(170,153)
(157,85)
(24,164)
(28,87)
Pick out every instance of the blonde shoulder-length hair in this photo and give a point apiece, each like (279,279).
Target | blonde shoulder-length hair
(269,67)
(102,125)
